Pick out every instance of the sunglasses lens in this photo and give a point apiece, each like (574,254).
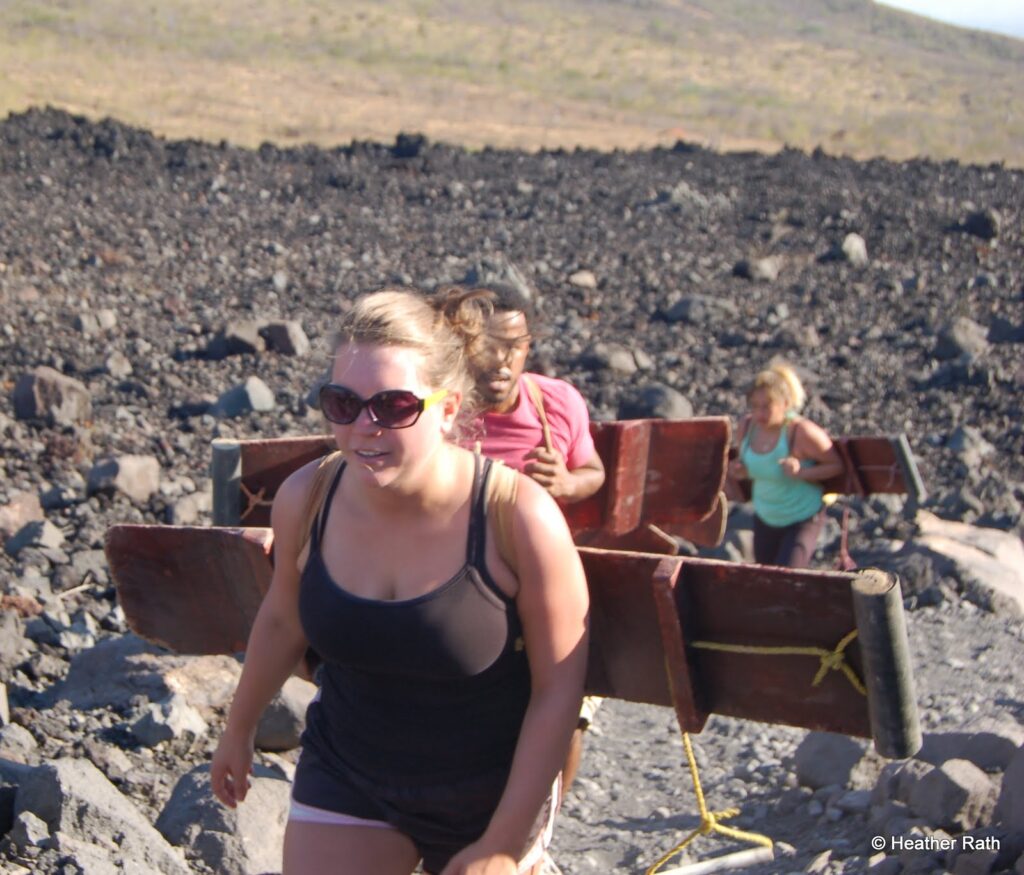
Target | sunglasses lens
(395,409)
(340,405)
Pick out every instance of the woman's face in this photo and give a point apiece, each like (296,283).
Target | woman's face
(767,410)
(381,453)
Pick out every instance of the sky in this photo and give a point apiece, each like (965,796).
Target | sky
(1001,16)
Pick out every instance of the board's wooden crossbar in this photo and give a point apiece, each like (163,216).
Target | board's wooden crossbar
(872,465)
(197,590)
(665,473)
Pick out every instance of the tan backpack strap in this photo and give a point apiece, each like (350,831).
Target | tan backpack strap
(537,397)
(502,488)
(322,479)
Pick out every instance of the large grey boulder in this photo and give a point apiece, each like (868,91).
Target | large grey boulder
(1010,807)
(282,722)
(824,759)
(118,669)
(251,396)
(236,338)
(613,357)
(984,223)
(138,477)
(855,250)
(38,533)
(48,395)
(246,840)
(169,719)
(698,309)
(960,337)
(764,269)
(22,508)
(286,338)
(988,743)
(655,401)
(74,798)
(988,562)
(957,795)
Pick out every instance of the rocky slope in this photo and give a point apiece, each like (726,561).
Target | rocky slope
(897,289)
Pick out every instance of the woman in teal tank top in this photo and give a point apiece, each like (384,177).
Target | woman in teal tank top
(786,458)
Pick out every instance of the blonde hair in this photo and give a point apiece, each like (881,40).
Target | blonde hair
(467,311)
(405,318)
(780,381)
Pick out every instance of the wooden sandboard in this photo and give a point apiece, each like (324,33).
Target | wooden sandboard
(196,590)
(247,475)
(669,473)
(641,635)
(653,538)
(874,464)
(188,588)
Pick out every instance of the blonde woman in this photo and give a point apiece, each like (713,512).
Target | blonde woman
(450,684)
(786,457)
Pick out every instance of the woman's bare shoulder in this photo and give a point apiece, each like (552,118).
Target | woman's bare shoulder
(806,430)
(293,494)
(536,510)
(297,484)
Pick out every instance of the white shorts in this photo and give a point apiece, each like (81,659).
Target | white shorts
(542,832)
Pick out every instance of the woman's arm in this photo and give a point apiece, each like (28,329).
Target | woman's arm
(812,442)
(552,603)
(276,644)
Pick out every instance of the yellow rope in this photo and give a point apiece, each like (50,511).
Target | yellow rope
(710,821)
(830,660)
(253,500)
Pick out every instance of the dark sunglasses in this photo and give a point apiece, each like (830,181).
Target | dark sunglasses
(393,408)
(506,345)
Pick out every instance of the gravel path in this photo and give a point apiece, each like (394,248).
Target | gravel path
(634,796)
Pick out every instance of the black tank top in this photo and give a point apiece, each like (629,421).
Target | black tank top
(435,685)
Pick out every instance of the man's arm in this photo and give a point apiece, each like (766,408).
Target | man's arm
(548,468)
(588,478)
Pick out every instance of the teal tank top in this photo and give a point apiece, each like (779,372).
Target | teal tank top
(779,500)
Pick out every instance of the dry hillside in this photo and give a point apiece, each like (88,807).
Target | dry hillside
(848,75)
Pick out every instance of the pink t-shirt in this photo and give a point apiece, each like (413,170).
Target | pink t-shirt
(510,436)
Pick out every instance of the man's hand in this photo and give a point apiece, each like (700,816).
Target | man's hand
(547,467)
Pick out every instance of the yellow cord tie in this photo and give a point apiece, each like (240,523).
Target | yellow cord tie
(709,821)
(830,660)
(253,500)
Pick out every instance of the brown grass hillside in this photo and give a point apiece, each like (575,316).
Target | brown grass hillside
(844,74)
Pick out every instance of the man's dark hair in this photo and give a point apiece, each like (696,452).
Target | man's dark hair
(467,309)
(509,298)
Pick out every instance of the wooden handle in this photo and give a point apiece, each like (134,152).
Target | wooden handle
(226,471)
(737,860)
(878,607)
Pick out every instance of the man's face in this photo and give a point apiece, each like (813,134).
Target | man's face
(499,358)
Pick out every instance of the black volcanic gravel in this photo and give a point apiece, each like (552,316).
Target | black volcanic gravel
(179,238)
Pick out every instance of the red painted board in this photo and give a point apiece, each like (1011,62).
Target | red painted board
(191,589)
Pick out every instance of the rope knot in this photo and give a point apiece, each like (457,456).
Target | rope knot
(253,500)
(711,820)
(835,660)
(832,661)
